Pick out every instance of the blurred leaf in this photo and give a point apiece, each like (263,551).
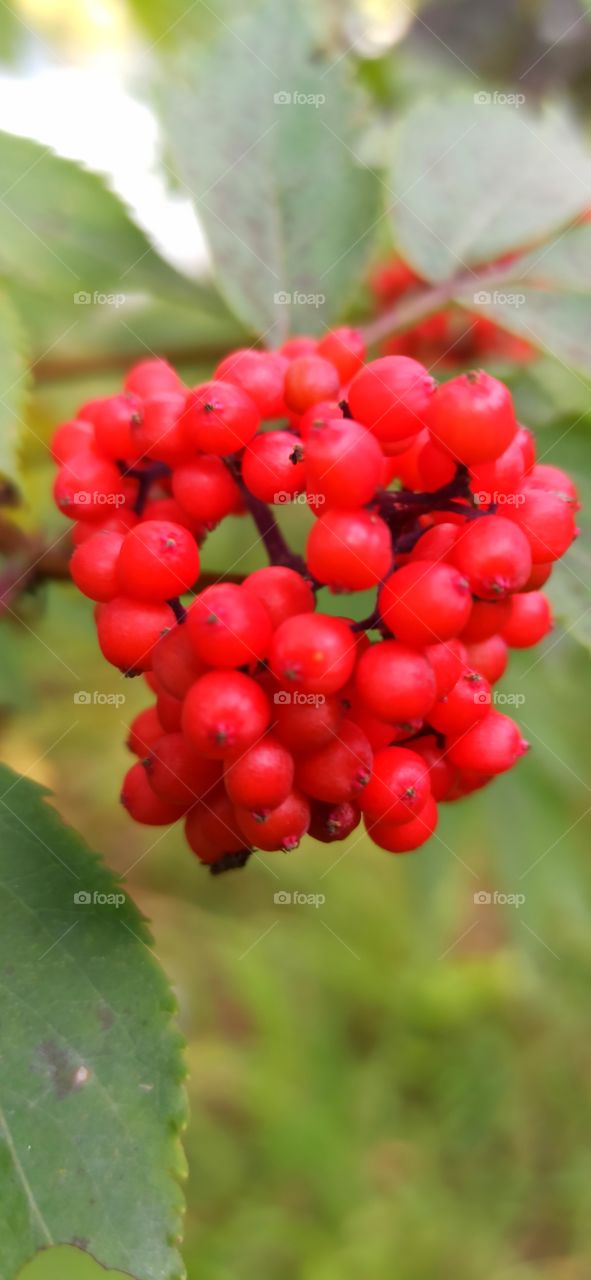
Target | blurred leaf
(475,180)
(14,383)
(92,1097)
(286,205)
(570,593)
(63,232)
(546,298)
(66,1263)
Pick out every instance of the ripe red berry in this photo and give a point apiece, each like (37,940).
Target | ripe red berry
(494,554)
(158,560)
(345,348)
(229,627)
(442,774)
(88,487)
(71,438)
(159,432)
(280,828)
(488,617)
(472,417)
(553,480)
(94,565)
(308,380)
(144,731)
(177,773)
(220,418)
(489,656)
(447,661)
(150,377)
(283,591)
(129,629)
(350,550)
(394,682)
(204,489)
(529,621)
(339,770)
(174,663)
(399,786)
(261,374)
(435,467)
(142,803)
(403,837)
(319,415)
(211,828)
(224,713)
(169,710)
(491,746)
(391,396)
(467,702)
(313,652)
(115,420)
(548,522)
(333,822)
(344,464)
(262,777)
(425,602)
(305,722)
(273,468)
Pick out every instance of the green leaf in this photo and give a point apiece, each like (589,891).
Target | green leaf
(264,137)
(14,385)
(66,1263)
(63,232)
(545,297)
(570,594)
(92,1101)
(474,180)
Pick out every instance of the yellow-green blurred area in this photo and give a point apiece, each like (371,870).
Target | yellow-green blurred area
(389,1074)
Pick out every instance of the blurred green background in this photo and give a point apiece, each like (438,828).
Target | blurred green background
(395,1081)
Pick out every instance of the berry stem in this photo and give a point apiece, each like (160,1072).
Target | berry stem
(178,609)
(277,549)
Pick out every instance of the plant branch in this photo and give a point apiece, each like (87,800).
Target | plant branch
(424,302)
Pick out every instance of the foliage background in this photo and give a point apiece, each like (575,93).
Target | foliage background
(396,1082)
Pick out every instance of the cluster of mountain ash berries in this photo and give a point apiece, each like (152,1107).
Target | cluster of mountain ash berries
(272,719)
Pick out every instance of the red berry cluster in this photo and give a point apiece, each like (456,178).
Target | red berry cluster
(272,719)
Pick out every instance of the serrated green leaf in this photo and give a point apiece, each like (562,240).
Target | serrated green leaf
(62,231)
(264,136)
(14,385)
(475,180)
(91,1099)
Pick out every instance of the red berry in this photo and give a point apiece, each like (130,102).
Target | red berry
(399,786)
(488,617)
(160,431)
(229,627)
(442,774)
(472,417)
(129,629)
(349,550)
(305,722)
(150,377)
(273,468)
(553,480)
(94,565)
(313,652)
(488,656)
(425,602)
(345,348)
(261,374)
(547,521)
(394,682)
(319,415)
(435,467)
(158,560)
(391,396)
(494,554)
(280,828)
(88,487)
(177,773)
(283,591)
(467,702)
(115,419)
(344,464)
(447,661)
(262,777)
(491,746)
(308,380)
(339,770)
(170,710)
(333,822)
(405,836)
(224,713)
(142,803)
(293,348)
(144,731)
(529,621)
(71,438)
(220,418)
(174,662)
(436,543)
(211,829)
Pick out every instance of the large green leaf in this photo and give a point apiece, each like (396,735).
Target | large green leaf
(67,1263)
(14,382)
(63,232)
(474,180)
(91,1098)
(264,137)
(545,296)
